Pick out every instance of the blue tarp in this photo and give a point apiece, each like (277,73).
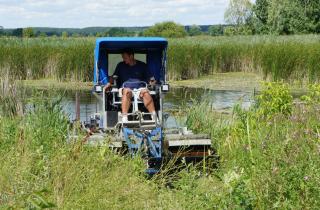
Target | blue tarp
(153,47)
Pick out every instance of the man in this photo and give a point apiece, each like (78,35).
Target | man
(130,73)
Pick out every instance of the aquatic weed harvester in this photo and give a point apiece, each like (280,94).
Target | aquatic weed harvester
(140,134)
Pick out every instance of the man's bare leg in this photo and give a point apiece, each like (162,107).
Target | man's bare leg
(126,100)
(147,100)
(149,104)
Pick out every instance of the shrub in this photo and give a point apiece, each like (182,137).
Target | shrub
(167,29)
(274,98)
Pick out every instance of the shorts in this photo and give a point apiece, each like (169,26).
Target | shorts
(138,91)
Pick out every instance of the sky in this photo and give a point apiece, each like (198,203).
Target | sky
(86,13)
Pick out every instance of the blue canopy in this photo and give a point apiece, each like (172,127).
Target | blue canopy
(154,48)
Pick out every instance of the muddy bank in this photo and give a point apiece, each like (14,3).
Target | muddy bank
(223,81)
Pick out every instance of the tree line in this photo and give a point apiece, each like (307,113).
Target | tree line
(165,29)
(57,32)
(242,17)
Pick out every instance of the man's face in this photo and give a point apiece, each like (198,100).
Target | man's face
(127,58)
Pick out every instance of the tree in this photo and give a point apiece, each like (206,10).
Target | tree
(42,34)
(287,17)
(91,34)
(28,32)
(118,32)
(230,30)
(258,21)
(167,29)
(195,30)
(64,34)
(215,30)
(17,32)
(238,12)
(75,35)
(1,30)
(99,34)
(312,12)
(261,10)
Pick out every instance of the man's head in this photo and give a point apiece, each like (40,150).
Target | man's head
(128,56)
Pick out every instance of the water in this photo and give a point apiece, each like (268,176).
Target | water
(220,100)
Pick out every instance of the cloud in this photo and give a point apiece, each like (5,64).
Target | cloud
(84,13)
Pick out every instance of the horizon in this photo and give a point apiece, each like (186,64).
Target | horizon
(188,25)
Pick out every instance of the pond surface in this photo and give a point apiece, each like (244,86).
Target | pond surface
(220,100)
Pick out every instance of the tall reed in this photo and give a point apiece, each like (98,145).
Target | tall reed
(61,59)
(11,95)
(276,57)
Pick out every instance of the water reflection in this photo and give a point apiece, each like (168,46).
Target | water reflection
(175,99)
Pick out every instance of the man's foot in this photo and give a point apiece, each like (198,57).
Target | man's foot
(124,118)
(155,118)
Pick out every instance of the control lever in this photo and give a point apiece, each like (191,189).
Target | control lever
(115,78)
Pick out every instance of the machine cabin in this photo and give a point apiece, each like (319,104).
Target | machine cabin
(107,54)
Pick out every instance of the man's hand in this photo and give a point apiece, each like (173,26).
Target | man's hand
(152,82)
(107,86)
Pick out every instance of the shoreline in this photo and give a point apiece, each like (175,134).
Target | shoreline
(216,81)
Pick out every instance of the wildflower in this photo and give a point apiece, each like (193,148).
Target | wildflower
(264,145)
(275,170)
(294,118)
(306,178)
(307,131)
(295,135)
(246,147)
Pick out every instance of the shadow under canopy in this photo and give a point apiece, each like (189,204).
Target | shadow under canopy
(154,48)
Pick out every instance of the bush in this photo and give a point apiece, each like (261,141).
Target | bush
(275,98)
(166,29)
(229,31)
(313,96)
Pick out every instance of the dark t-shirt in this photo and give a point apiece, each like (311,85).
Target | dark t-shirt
(126,72)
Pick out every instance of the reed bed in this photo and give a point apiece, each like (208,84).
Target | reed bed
(57,58)
(275,57)
(12,96)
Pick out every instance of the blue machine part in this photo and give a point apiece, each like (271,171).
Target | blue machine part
(154,48)
(137,140)
(151,141)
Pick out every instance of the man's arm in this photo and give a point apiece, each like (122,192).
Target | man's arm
(149,76)
(110,82)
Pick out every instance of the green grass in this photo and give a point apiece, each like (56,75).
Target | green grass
(286,58)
